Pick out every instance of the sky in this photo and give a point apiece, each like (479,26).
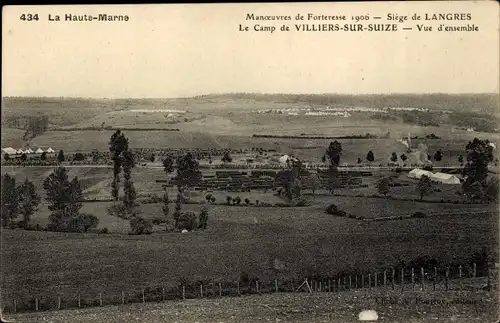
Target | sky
(184,50)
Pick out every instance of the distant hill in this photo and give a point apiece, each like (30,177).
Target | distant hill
(487,103)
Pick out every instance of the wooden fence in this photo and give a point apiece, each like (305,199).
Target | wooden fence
(406,279)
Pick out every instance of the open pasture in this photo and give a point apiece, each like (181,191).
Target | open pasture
(305,239)
(341,307)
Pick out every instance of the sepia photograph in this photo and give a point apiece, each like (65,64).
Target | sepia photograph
(250,162)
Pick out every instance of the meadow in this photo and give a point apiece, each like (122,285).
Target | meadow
(341,307)
(238,239)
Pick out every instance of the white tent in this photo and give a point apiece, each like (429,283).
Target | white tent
(418,173)
(50,150)
(39,151)
(445,178)
(20,151)
(9,151)
(283,159)
(29,151)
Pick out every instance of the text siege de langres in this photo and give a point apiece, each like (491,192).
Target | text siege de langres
(311,22)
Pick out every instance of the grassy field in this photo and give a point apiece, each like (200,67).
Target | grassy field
(238,239)
(343,307)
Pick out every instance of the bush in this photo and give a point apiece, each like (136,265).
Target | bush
(302,202)
(331,209)
(140,225)
(247,201)
(418,215)
(281,204)
(187,221)
(157,220)
(237,199)
(104,231)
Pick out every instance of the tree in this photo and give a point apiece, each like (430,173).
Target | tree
(152,158)
(370,156)
(6,157)
(203,218)
(168,165)
(10,200)
(403,157)
(226,158)
(165,201)
(394,157)
(424,186)
(461,160)
(178,207)
(315,183)
(130,194)
(24,157)
(333,153)
(359,160)
(383,186)
(187,171)
(60,156)
(438,156)
(229,199)
(479,155)
(118,144)
(29,201)
(43,156)
(237,200)
(64,197)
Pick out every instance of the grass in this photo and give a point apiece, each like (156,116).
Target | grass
(343,307)
(238,239)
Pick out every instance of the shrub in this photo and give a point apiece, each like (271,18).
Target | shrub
(212,199)
(82,223)
(247,201)
(187,221)
(418,215)
(229,199)
(140,225)
(157,220)
(104,231)
(302,202)
(237,199)
(281,204)
(331,209)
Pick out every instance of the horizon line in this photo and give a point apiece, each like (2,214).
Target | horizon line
(252,93)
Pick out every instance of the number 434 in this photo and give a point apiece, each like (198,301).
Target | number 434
(29,17)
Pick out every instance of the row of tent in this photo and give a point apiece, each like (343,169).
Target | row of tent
(436,177)
(12,151)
